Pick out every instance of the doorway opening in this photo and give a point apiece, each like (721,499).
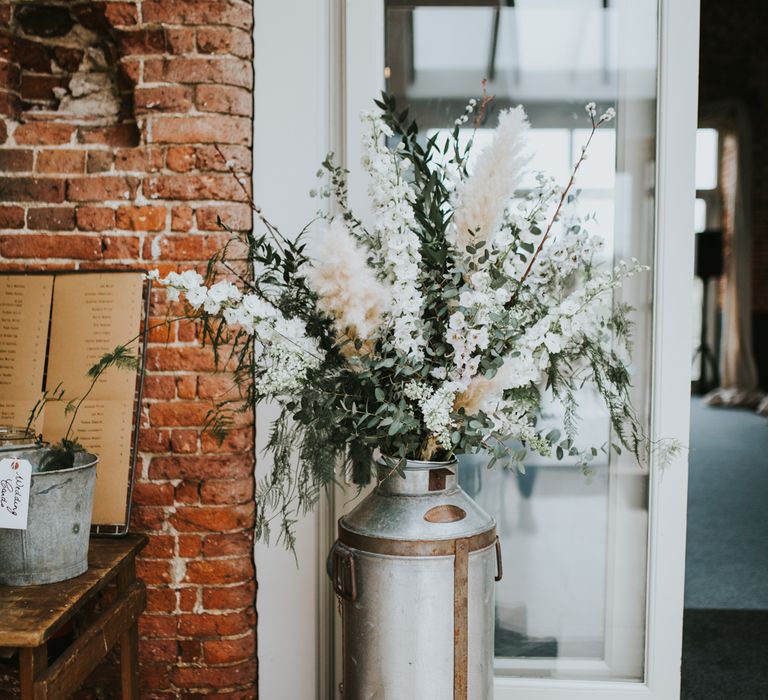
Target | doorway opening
(726,595)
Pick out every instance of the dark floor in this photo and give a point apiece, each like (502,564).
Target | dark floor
(725,634)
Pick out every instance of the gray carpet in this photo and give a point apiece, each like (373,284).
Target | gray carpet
(727,550)
(725,630)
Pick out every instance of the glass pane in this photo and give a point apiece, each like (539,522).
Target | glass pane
(699,215)
(572,604)
(706,159)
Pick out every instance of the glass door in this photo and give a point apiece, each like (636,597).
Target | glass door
(592,602)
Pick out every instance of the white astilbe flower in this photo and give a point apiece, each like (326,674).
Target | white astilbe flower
(347,288)
(479,202)
(435,406)
(284,350)
(395,247)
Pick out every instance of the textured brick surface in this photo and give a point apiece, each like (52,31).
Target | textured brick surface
(140,191)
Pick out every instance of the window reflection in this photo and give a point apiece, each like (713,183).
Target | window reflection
(573,602)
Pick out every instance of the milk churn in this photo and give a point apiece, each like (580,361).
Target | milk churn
(414,568)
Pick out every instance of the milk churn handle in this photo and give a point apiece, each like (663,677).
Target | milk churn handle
(499,565)
(342,571)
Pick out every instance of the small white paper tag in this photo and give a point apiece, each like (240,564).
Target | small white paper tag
(15,482)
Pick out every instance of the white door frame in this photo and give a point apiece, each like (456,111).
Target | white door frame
(312,61)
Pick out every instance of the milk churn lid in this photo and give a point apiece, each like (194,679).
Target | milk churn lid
(417,508)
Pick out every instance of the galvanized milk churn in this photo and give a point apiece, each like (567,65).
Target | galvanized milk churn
(414,568)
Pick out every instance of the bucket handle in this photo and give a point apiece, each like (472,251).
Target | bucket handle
(342,572)
(499,565)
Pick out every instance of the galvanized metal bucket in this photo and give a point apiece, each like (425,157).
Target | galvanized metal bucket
(54,547)
(414,568)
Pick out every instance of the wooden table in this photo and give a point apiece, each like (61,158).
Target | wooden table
(31,615)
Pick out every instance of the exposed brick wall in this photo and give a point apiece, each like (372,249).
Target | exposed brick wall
(734,68)
(141,185)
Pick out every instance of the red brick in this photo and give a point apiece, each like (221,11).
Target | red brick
(227,651)
(196,467)
(227,491)
(236,440)
(139,160)
(31,189)
(220,677)
(125,135)
(194,12)
(186,386)
(11,217)
(168,98)
(181,159)
(15,160)
(178,413)
(188,331)
(230,544)
(153,571)
(94,218)
(219,129)
(181,219)
(189,599)
(190,546)
(43,134)
(120,247)
(238,217)
(43,246)
(159,546)
(157,650)
(121,14)
(216,386)
(142,42)
(157,627)
(190,187)
(224,40)
(161,599)
(180,40)
(220,625)
(151,440)
(222,71)
(141,218)
(229,598)
(158,386)
(102,188)
(224,157)
(60,161)
(147,518)
(192,247)
(51,219)
(210,518)
(100,161)
(184,442)
(149,494)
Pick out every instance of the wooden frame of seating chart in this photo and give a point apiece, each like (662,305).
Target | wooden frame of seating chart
(53,327)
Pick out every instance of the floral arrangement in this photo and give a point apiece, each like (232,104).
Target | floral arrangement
(433,330)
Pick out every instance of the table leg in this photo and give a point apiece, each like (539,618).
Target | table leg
(129,641)
(32,664)
(129,667)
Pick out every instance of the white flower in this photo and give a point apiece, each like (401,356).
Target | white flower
(395,246)
(196,297)
(435,406)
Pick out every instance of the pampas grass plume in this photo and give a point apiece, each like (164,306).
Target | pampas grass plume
(347,288)
(483,196)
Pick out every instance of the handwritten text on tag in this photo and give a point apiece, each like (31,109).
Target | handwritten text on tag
(15,482)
